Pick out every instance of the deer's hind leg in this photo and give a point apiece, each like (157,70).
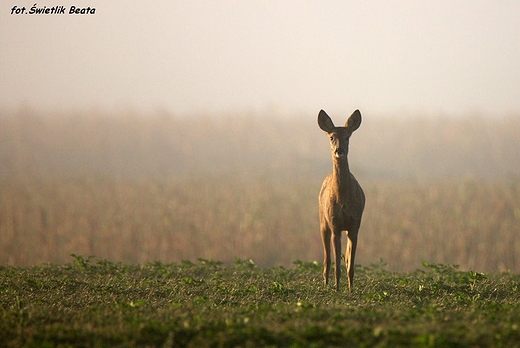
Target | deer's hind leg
(336,240)
(325,238)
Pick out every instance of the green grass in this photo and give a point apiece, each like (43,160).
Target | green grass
(97,303)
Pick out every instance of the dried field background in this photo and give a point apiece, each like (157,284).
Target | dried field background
(137,188)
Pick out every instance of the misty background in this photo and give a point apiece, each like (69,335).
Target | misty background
(383,57)
(177,130)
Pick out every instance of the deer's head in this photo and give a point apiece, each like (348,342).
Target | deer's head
(339,136)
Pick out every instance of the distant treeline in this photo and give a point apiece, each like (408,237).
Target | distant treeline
(71,144)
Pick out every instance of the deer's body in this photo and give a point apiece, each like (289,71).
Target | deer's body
(341,199)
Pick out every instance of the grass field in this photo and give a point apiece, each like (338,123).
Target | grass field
(97,303)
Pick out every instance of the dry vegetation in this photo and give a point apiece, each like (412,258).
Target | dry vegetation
(136,189)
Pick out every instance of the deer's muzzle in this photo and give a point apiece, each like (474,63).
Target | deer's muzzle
(339,152)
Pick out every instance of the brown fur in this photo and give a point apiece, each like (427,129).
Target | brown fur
(341,199)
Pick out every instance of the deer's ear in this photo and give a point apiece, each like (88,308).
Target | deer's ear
(354,121)
(325,122)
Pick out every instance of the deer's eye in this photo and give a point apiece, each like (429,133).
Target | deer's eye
(331,138)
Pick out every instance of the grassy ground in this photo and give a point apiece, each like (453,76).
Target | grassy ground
(96,303)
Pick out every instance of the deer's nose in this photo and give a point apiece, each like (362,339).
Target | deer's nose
(339,152)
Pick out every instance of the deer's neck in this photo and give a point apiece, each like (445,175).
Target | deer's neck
(341,177)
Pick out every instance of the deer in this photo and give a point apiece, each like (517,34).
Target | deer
(341,200)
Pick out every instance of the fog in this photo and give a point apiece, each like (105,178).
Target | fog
(271,57)
(134,145)
(172,130)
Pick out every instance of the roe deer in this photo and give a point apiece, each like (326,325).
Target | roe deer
(341,199)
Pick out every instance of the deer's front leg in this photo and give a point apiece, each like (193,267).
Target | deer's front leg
(350,255)
(325,238)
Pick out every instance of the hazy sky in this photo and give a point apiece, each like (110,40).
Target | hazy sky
(384,57)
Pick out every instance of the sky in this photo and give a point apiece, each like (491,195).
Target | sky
(190,57)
